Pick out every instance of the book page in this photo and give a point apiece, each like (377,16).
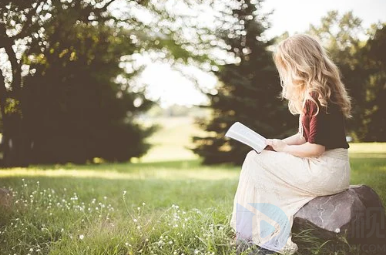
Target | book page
(247,136)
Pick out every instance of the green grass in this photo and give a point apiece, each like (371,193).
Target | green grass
(102,202)
(172,140)
(145,208)
(157,206)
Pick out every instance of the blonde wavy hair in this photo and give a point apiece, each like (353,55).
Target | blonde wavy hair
(305,69)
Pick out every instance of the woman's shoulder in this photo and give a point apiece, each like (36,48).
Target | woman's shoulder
(311,104)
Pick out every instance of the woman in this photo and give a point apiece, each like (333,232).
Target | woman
(274,185)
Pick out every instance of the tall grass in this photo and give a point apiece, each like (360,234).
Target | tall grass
(61,221)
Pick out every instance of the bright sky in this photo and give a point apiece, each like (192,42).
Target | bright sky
(171,87)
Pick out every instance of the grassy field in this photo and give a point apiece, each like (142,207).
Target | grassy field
(173,140)
(158,207)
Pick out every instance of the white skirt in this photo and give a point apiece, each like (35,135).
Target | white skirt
(273,186)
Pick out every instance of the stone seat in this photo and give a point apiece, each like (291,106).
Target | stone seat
(356,214)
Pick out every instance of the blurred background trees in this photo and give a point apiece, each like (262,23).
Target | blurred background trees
(361,62)
(74,106)
(376,86)
(68,89)
(248,90)
(69,94)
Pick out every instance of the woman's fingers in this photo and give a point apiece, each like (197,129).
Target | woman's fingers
(271,141)
(276,144)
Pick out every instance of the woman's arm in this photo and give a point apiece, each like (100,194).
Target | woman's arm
(304,150)
(296,139)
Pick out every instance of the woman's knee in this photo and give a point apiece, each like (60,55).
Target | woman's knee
(251,165)
(251,156)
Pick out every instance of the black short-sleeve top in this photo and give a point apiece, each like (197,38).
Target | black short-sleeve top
(327,128)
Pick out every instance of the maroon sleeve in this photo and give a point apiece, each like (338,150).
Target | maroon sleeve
(317,130)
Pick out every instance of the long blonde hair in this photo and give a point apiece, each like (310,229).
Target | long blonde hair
(305,69)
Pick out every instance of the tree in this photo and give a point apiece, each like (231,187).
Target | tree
(45,40)
(362,65)
(73,106)
(340,35)
(19,20)
(21,26)
(376,86)
(248,88)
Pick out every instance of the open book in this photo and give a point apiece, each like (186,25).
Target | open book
(247,136)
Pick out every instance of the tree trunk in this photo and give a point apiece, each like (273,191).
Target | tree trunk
(13,137)
(3,96)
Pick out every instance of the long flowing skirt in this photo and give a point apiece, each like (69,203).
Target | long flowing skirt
(273,186)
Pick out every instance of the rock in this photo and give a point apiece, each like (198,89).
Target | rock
(357,214)
(5,198)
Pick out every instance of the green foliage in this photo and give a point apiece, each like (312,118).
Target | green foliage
(248,90)
(78,100)
(362,65)
(340,36)
(73,106)
(376,86)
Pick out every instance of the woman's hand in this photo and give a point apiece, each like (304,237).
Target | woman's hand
(276,144)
